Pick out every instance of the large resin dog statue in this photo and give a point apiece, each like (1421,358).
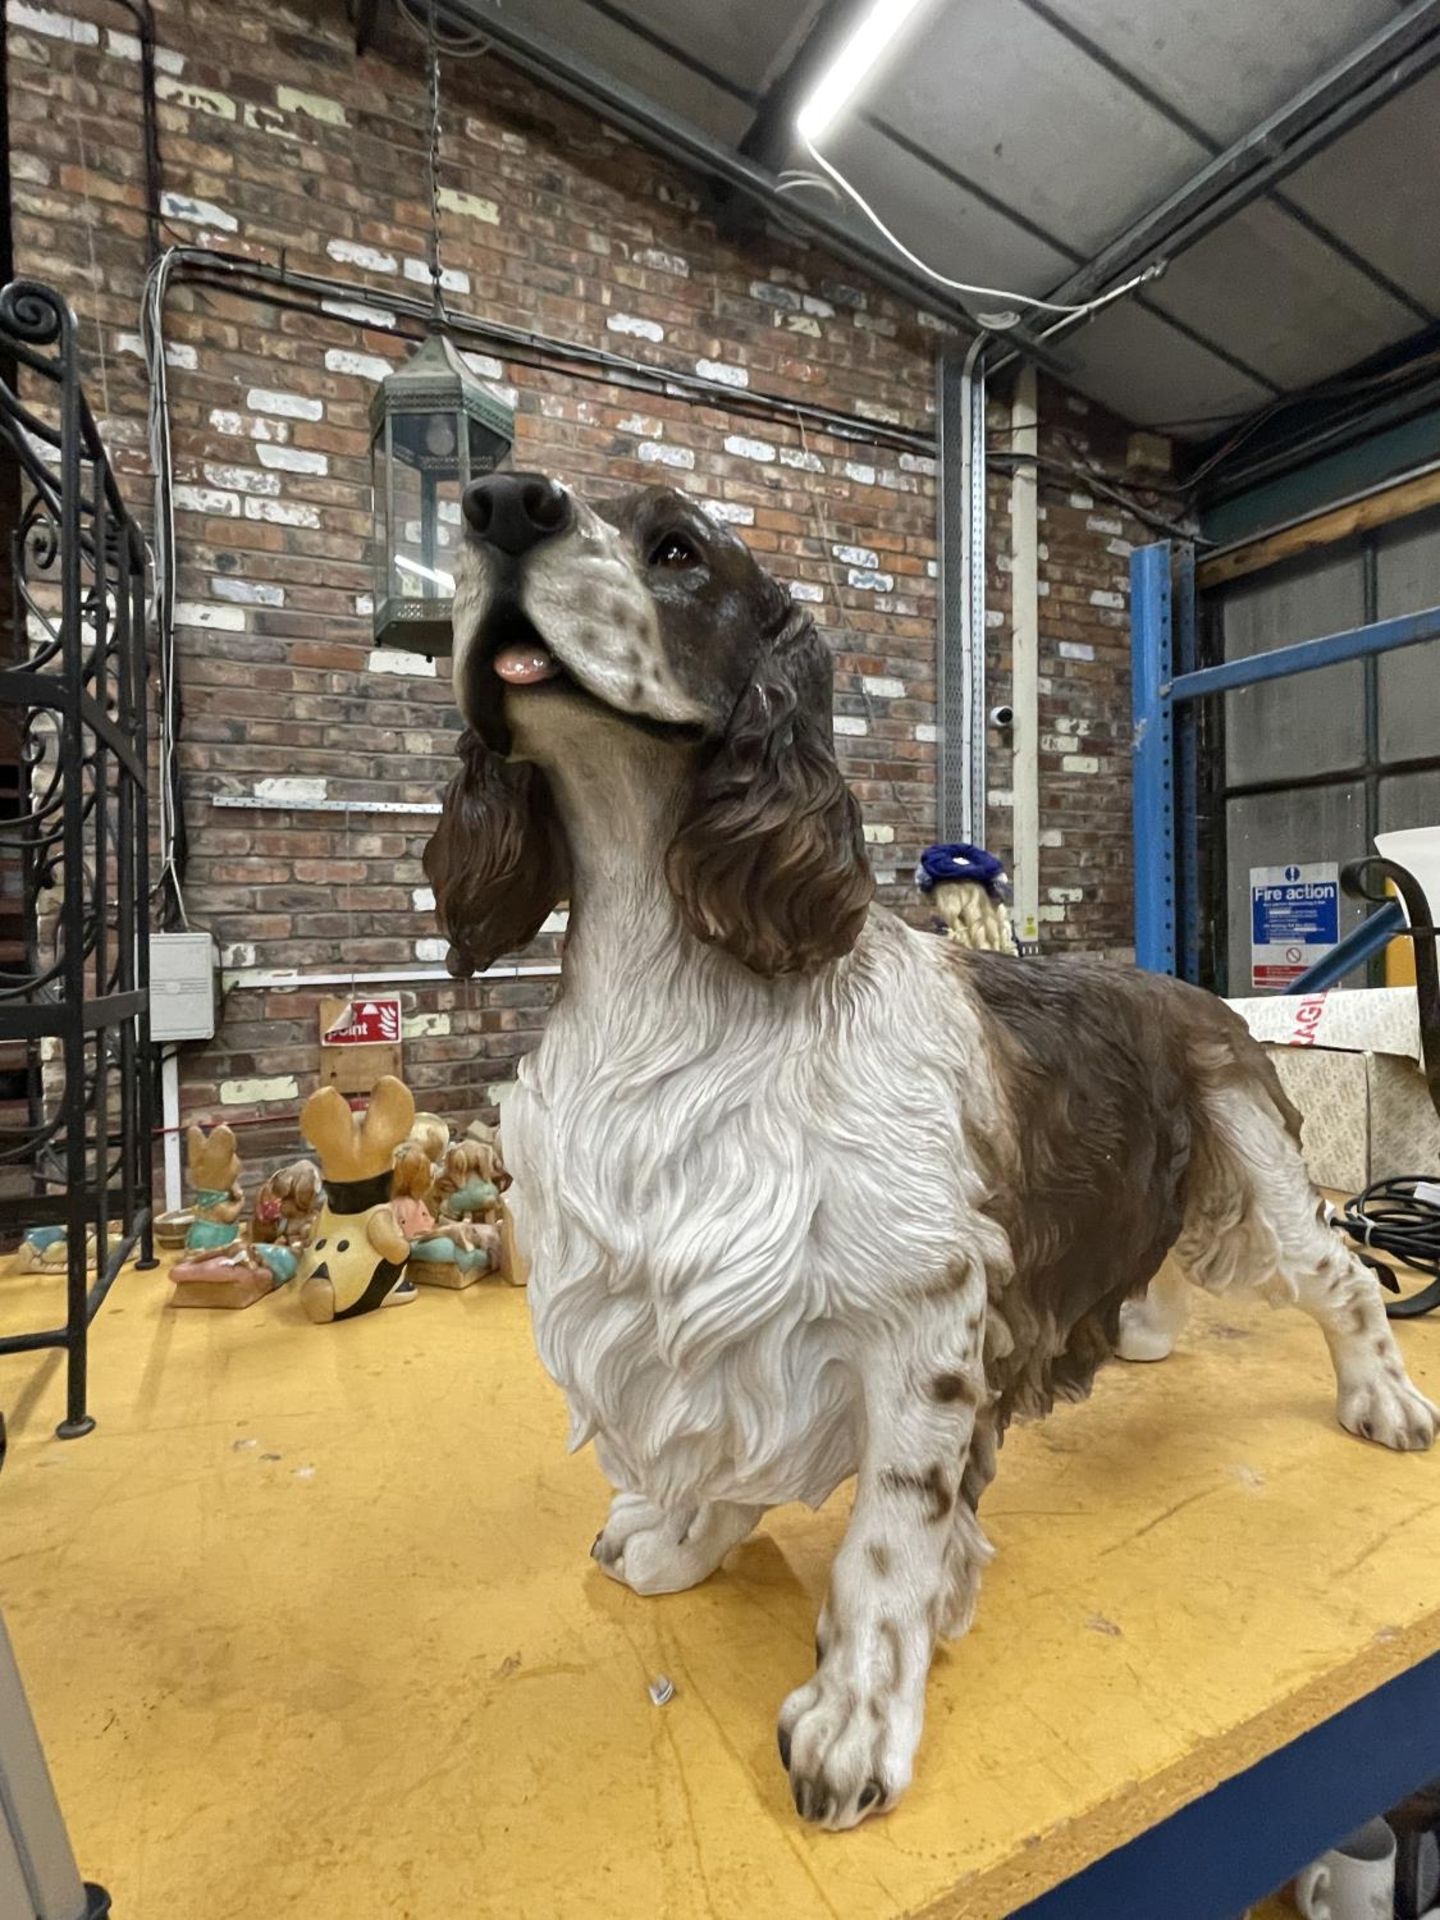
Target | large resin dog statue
(752,1072)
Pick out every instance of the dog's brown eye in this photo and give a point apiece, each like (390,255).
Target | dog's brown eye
(674,551)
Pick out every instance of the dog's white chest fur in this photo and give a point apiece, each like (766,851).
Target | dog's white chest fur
(723,1183)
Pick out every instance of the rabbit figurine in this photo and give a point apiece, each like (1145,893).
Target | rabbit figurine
(214,1168)
(357,1252)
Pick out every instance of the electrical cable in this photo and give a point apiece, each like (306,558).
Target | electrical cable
(1400,1217)
(993,322)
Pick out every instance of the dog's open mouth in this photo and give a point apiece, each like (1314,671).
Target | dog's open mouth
(517,654)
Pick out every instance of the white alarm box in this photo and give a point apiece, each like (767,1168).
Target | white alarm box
(183,977)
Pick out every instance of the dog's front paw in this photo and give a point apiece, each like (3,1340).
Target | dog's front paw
(848,1749)
(1384,1406)
(652,1550)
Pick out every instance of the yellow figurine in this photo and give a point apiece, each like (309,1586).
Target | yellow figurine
(356,1257)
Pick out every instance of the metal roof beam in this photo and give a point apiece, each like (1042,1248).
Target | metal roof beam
(1379,67)
(769,137)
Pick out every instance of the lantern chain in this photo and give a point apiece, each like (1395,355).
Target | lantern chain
(436,280)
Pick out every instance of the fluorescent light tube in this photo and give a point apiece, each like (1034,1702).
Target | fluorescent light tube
(841,80)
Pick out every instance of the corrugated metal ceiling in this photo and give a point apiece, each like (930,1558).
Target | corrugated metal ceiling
(1009,141)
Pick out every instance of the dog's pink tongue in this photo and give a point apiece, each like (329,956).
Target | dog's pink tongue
(524,666)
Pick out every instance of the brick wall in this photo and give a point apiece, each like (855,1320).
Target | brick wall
(278,146)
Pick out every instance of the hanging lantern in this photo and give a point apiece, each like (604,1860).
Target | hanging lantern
(433,429)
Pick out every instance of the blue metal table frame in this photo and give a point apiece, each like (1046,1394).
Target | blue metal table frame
(1162,630)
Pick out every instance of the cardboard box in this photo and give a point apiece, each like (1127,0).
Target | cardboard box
(1351,1062)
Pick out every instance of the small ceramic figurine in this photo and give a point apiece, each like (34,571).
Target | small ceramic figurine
(286,1209)
(454,1254)
(970,888)
(355,1261)
(47,1250)
(469,1187)
(214,1168)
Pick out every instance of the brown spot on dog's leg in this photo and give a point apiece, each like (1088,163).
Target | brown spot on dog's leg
(930,1485)
(953,1386)
(890,1634)
(879,1558)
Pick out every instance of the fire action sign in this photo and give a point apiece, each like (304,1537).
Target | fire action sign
(1294,921)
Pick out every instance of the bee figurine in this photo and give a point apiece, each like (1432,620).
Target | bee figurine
(356,1257)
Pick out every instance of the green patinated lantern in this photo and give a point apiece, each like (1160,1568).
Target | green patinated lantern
(434,427)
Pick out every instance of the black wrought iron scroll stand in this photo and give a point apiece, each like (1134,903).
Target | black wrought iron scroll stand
(73,689)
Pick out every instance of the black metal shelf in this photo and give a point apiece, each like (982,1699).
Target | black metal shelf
(74,851)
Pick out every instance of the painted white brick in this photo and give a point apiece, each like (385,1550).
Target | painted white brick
(933,323)
(557,922)
(180,93)
(1103,523)
(197,213)
(281,513)
(882,689)
(423,899)
(917,463)
(867,581)
(801,457)
(880,836)
(857,471)
(263,119)
(857,556)
(746,449)
(314,106)
(366,366)
(805,590)
(656,454)
(816,307)
(1080,763)
(850,723)
(1062,895)
(484,366)
(999,797)
(1051,837)
(1082,502)
(471,206)
(254,1093)
(209,500)
(242,479)
(729,512)
(202,613)
(872,410)
(247,593)
(994,618)
(932,569)
(352,254)
(1068,723)
(431,950)
(452,279)
(242,954)
(365,605)
(282,789)
(1050,913)
(722,373)
(927,732)
(1122,549)
(293,459)
(54,25)
(290,406)
(632,323)
(657,259)
(415,666)
(126,46)
(643,423)
(1100,598)
(357,311)
(773,296)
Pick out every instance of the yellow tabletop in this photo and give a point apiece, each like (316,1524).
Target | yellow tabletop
(309,1627)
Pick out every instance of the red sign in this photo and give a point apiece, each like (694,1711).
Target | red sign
(366,1023)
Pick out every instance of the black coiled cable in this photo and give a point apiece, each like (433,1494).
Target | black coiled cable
(1399,1217)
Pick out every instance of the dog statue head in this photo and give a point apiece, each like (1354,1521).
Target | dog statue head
(644,611)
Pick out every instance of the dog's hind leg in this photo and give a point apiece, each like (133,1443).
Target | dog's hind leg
(848,1737)
(651,1550)
(1149,1324)
(1254,1220)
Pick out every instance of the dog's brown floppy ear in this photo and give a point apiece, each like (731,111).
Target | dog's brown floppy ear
(497,861)
(769,863)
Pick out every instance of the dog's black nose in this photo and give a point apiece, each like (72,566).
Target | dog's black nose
(514,511)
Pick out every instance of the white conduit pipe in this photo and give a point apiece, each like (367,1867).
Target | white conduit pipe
(1025,655)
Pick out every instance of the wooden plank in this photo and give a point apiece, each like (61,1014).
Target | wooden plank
(1323,530)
